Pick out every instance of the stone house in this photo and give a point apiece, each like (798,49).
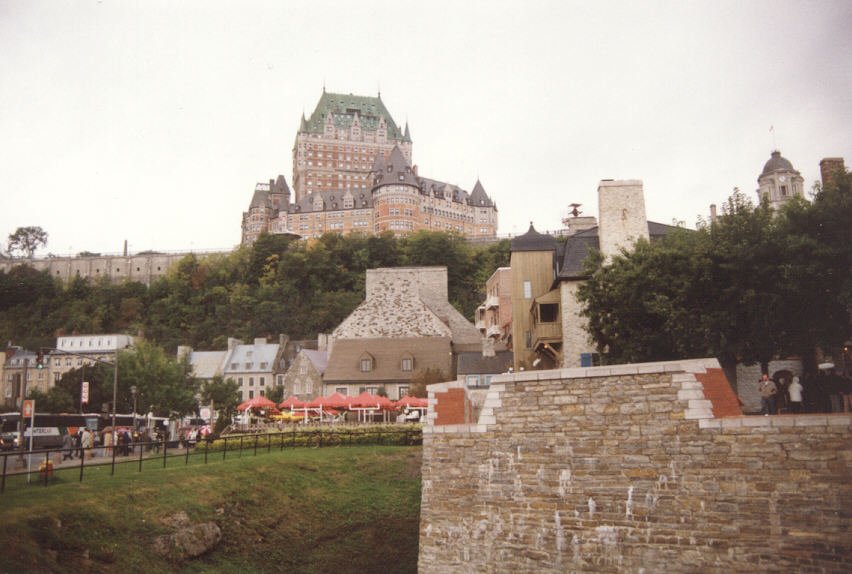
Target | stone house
(405,325)
(304,376)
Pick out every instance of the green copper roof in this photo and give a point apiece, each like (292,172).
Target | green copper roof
(343,108)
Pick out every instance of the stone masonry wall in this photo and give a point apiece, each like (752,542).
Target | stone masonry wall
(632,468)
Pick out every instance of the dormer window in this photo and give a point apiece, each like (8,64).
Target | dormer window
(366,363)
(407,363)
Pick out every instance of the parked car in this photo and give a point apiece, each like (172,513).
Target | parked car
(9,441)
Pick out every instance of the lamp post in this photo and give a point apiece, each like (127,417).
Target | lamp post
(114,385)
(133,394)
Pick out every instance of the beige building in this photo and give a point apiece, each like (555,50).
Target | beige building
(304,376)
(494,316)
(406,324)
(20,375)
(144,268)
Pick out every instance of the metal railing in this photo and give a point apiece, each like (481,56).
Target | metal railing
(51,466)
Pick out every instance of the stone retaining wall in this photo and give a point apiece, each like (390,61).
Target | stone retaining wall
(634,468)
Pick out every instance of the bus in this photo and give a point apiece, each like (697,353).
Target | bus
(49,428)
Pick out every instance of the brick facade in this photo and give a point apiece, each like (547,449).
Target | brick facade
(631,468)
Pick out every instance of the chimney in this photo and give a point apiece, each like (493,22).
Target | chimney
(322,342)
(233,342)
(260,340)
(829,168)
(713,213)
(487,347)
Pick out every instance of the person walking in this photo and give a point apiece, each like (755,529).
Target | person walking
(768,390)
(67,446)
(795,391)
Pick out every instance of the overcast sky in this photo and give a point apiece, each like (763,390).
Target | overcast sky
(152,121)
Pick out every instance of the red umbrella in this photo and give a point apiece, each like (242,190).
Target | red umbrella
(366,400)
(292,403)
(256,403)
(416,402)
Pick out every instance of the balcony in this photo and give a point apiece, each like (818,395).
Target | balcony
(493,331)
(492,302)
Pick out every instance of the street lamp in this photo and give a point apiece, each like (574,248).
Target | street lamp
(115,385)
(133,394)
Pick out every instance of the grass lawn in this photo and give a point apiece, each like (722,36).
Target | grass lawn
(354,509)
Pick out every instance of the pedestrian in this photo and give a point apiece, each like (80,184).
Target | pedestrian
(67,445)
(795,392)
(768,390)
(86,443)
(78,443)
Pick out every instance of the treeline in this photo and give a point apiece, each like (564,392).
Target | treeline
(751,286)
(278,285)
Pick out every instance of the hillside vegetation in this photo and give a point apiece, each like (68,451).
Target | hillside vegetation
(278,285)
(305,510)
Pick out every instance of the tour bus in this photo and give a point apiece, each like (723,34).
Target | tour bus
(49,428)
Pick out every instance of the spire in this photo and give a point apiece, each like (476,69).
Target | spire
(407,135)
(479,197)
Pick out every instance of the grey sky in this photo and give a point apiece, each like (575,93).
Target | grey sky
(152,121)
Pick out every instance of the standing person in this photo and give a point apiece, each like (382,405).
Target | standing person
(86,443)
(795,392)
(768,390)
(78,442)
(67,445)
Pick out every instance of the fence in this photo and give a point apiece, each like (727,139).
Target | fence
(50,466)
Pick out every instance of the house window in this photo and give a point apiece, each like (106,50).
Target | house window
(263,364)
(280,380)
(590,360)
(233,366)
(262,381)
(527,290)
(547,312)
(240,381)
(251,394)
(373,390)
(472,380)
(342,390)
(297,388)
(248,365)
(251,381)
(366,363)
(528,339)
(303,369)
(402,390)
(407,364)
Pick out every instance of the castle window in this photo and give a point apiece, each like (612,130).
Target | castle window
(783,194)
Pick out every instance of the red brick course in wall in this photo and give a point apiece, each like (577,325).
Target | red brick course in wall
(450,407)
(718,391)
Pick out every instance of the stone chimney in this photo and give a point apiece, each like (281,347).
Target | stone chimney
(621,208)
(829,168)
(487,347)
(713,215)
(260,340)
(233,342)
(322,342)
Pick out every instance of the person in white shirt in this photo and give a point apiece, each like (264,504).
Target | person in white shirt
(795,392)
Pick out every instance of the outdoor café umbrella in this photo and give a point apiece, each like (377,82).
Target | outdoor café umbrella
(256,403)
(412,402)
(292,403)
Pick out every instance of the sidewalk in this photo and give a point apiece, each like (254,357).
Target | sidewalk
(17,462)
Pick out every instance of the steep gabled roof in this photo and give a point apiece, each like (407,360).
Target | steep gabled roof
(395,170)
(477,364)
(260,198)
(344,107)
(478,197)
(319,359)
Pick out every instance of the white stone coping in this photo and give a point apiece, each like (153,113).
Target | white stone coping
(778,421)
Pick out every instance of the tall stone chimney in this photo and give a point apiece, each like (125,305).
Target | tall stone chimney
(829,168)
(621,208)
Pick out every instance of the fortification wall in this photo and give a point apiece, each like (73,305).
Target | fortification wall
(636,468)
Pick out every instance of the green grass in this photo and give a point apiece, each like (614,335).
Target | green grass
(352,509)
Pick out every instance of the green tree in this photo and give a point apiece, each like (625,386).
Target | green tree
(223,396)
(748,287)
(422,378)
(26,240)
(164,385)
(55,400)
